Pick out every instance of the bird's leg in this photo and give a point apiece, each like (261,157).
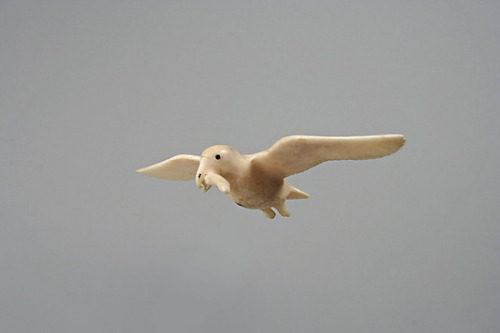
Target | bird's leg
(282,209)
(270,214)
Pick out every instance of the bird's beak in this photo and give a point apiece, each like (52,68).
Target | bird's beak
(201,176)
(200,182)
(206,180)
(205,186)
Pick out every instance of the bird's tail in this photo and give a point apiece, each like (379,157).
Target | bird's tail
(294,193)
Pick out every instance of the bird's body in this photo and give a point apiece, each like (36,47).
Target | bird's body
(256,181)
(254,190)
(262,190)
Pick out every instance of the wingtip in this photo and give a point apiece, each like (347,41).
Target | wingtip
(147,171)
(403,141)
(397,139)
(399,144)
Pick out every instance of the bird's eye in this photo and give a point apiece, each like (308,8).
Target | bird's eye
(217,157)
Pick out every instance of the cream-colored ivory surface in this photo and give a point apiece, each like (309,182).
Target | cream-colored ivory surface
(256,181)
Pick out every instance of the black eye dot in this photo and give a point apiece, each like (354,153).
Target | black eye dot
(217,157)
(199,175)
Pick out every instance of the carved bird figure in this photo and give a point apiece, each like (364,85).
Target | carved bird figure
(256,181)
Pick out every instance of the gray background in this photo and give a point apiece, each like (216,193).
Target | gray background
(92,90)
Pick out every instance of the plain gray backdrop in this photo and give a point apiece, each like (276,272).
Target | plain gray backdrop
(90,91)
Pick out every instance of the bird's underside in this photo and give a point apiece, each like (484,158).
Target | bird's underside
(288,192)
(256,181)
(264,195)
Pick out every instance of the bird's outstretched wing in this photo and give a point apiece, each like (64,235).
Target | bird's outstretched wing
(297,153)
(179,167)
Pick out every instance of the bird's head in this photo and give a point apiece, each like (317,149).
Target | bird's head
(217,164)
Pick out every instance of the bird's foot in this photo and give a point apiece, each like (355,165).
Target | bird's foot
(283,210)
(270,214)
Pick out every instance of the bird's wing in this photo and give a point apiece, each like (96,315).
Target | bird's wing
(294,154)
(179,167)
